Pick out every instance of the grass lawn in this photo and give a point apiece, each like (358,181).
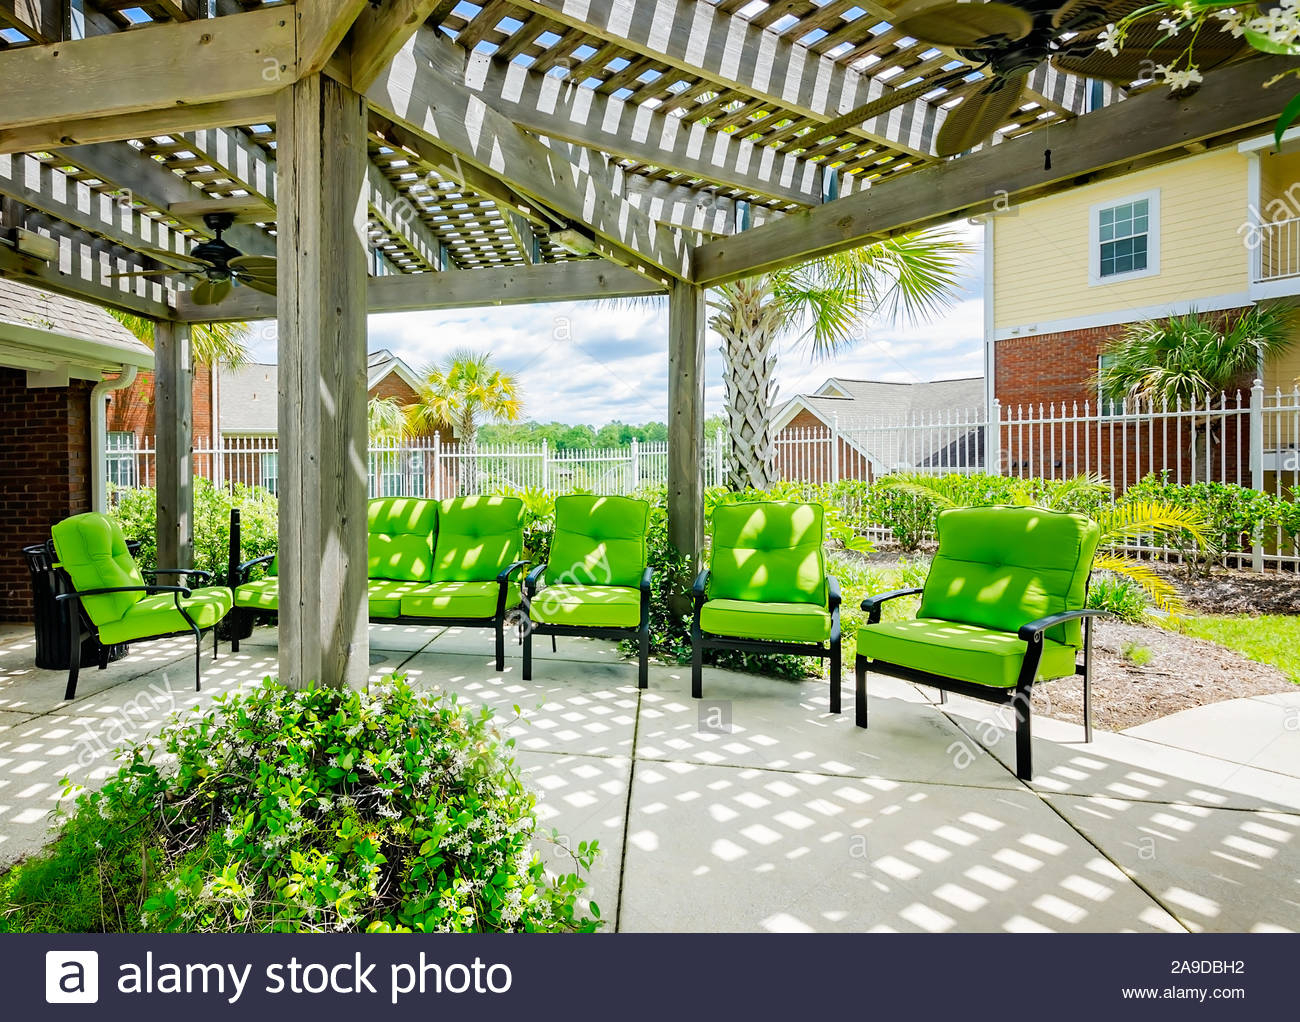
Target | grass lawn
(1270,638)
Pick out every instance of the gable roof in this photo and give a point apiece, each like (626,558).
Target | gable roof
(381,363)
(46,332)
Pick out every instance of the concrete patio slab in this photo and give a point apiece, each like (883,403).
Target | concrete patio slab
(1257,732)
(1124,766)
(758,850)
(582,798)
(1214,869)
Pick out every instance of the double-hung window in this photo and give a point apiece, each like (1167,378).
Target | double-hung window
(1125,239)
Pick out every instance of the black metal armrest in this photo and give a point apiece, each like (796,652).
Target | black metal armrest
(241,572)
(150,590)
(1035,629)
(700,590)
(505,573)
(646,577)
(206,576)
(534,578)
(873,604)
(832,592)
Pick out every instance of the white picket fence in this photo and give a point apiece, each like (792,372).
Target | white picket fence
(426,467)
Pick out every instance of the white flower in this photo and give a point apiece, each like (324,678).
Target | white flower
(1170,25)
(1108,41)
(1182,79)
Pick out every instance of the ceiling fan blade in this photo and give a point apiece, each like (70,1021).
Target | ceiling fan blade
(267,287)
(162,255)
(211,292)
(254,265)
(946,23)
(145,273)
(1090,15)
(975,118)
(1144,48)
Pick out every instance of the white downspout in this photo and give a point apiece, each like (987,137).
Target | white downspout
(99,435)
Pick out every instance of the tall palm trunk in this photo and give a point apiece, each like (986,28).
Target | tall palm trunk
(469,448)
(749,321)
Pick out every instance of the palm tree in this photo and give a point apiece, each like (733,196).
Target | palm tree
(466,389)
(385,420)
(822,303)
(1191,361)
(211,344)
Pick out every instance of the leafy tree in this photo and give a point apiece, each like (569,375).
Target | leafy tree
(821,303)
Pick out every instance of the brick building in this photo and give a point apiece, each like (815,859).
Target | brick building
(53,353)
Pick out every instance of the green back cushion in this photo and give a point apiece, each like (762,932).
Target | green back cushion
(768,552)
(598,541)
(477,537)
(1001,567)
(400,544)
(92,550)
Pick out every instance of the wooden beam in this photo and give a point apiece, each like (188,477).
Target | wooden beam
(701,41)
(42,21)
(399,217)
(36,138)
(379,32)
(321,140)
(686,325)
(233,152)
(152,68)
(174,436)
(563,110)
(573,280)
(322,25)
(412,92)
(1147,129)
(246,208)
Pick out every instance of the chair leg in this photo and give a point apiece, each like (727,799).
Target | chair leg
(943,697)
(1024,745)
(860,690)
(198,659)
(643,653)
(501,644)
(1087,679)
(837,669)
(215,643)
(528,650)
(74,649)
(236,626)
(554,648)
(697,666)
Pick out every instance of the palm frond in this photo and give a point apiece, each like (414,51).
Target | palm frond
(1149,519)
(1162,593)
(942,490)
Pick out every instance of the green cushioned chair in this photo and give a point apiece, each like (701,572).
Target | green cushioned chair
(597,579)
(106,595)
(1000,610)
(476,553)
(766,589)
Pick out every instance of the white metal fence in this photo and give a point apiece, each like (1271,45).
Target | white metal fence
(426,467)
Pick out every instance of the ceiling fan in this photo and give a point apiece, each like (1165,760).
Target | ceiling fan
(1007,39)
(218,265)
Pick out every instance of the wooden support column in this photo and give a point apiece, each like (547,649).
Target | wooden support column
(174,439)
(686,322)
(321,143)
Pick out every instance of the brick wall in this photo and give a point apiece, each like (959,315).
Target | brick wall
(131,410)
(44,475)
(808,460)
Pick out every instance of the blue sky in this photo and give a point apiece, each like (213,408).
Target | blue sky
(592,362)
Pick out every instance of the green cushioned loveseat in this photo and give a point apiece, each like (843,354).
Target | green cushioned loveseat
(105,593)
(451,562)
(597,582)
(766,589)
(1002,608)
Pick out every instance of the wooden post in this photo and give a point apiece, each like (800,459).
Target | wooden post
(321,143)
(686,322)
(173,445)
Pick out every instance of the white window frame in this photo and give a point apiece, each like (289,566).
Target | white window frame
(1095,278)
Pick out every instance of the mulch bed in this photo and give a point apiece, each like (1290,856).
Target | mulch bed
(1229,591)
(1182,672)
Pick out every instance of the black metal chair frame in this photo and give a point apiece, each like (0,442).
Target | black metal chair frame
(1018,696)
(702,640)
(80,625)
(495,622)
(641,633)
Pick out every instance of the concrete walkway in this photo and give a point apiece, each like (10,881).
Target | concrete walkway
(756,810)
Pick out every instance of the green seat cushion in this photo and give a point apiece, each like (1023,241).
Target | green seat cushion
(456,599)
(157,615)
(768,552)
(477,538)
(92,550)
(1002,567)
(264,594)
(587,606)
(385,596)
(785,622)
(598,540)
(400,538)
(957,650)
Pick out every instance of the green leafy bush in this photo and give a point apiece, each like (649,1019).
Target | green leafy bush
(313,810)
(1122,597)
(1234,515)
(136,511)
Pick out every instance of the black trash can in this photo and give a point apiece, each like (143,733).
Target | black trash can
(51,617)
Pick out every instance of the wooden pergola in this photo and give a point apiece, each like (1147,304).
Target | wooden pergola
(429,154)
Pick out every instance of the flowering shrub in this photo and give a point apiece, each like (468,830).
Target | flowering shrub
(311,810)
